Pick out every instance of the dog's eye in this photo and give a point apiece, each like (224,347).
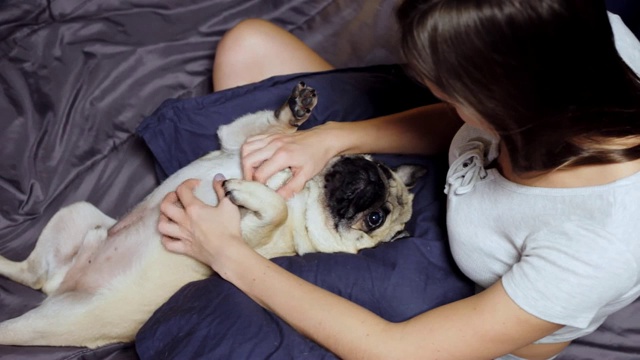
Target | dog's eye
(375,219)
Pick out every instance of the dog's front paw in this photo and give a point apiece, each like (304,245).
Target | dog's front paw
(266,205)
(238,192)
(302,100)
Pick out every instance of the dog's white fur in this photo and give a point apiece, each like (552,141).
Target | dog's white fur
(104,278)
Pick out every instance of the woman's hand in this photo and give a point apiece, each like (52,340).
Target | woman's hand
(193,228)
(305,152)
(425,130)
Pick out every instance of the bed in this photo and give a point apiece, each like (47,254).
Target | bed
(101,99)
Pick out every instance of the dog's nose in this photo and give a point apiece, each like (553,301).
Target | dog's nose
(353,185)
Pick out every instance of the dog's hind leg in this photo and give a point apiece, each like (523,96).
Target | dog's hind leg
(61,320)
(68,230)
(286,119)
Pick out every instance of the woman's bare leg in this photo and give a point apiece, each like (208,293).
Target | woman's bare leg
(256,49)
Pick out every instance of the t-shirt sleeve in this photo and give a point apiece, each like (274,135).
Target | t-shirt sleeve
(469,133)
(566,275)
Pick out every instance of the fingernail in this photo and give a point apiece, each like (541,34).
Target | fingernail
(218,177)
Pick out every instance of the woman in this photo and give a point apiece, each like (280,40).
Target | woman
(542,188)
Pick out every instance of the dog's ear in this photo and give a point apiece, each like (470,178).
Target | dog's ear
(400,235)
(409,174)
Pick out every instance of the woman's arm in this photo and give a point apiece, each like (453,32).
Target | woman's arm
(425,130)
(482,326)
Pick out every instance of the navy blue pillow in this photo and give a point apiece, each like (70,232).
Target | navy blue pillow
(213,319)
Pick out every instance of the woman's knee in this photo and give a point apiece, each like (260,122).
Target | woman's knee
(255,49)
(246,39)
(243,54)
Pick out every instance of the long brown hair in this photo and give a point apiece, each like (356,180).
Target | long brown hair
(545,74)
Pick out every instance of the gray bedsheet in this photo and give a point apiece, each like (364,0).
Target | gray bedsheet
(77,77)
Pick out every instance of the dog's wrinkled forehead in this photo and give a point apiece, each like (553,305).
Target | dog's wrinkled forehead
(355,184)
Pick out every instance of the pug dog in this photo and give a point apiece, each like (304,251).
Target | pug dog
(104,278)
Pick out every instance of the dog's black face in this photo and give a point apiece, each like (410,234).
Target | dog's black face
(355,185)
(366,197)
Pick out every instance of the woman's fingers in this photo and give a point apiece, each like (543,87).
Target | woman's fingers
(255,160)
(273,165)
(185,192)
(169,227)
(174,237)
(173,245)
(172,209)
(189,226)
(293,186)
(174,223)
(257,137)
(303,152)
(218,180)
(254,143)
(171,197)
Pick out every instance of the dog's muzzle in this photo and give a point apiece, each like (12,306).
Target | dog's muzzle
(354,185)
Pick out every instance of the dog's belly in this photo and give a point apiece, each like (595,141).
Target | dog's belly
(97,265)
(130,240)
(205,168)
(135,216)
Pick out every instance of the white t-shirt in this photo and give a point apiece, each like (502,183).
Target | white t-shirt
(569,256)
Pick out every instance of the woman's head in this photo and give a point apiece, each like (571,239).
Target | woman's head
(544,74)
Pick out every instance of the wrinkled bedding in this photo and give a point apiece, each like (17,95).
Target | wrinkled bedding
(79,76)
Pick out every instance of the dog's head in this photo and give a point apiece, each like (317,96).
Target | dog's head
(365,202)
